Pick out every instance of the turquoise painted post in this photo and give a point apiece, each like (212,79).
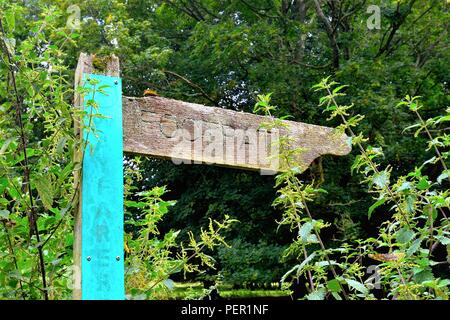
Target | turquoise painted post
(102,250)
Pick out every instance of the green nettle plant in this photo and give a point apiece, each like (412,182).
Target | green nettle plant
(39,166)
(36,157)
(417,202)
(153,258)
(400,261)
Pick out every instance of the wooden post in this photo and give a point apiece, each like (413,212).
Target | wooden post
(98,232)
(166,128)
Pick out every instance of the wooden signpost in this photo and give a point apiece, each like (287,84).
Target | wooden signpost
(166,128)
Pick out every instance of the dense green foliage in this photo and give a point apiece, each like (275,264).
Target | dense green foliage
(407,242)
(226,53)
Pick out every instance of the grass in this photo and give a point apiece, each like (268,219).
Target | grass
(194,290)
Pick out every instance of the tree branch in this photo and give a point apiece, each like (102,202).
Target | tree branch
(193,85)
(331,34)
(395,26)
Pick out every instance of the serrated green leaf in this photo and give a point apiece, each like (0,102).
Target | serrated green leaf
(169,284)
(375,205)
(3,184)
(381,179)
(336,296)
(405,186)
(334,285)
(325,263)
(10,20)
(358,286)
(298,267)
(305,231)
(424,275)
(442,176)
(339,88)
(45,190)
(61,144)
(4,214)
(443,119)
(10,45)
(444,240)
(5,145)
(135,204)
(423,184)
(414,247)
(410,203)
(444,283)
(405,235)
(319,294)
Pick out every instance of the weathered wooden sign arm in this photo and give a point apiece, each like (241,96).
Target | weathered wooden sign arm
(193,133)
(166,128)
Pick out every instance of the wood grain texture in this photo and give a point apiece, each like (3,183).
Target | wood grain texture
(192,133)
(84,65)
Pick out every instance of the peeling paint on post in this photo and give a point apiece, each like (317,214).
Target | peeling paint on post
(102,185)
(98,224)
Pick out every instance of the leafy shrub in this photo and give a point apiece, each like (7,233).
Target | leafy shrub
(407,246)
(250,265)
